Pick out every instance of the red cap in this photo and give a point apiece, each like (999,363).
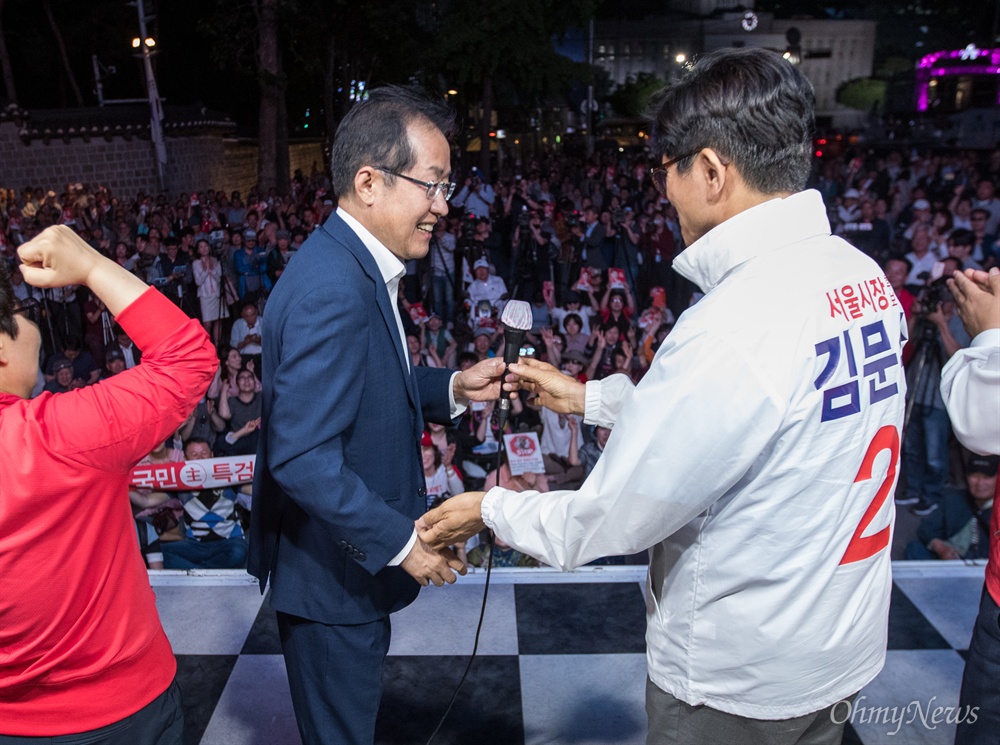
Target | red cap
(426,441)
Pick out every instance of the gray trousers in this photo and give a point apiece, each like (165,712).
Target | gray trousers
(673,722)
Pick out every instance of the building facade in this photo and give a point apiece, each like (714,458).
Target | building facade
(830,52)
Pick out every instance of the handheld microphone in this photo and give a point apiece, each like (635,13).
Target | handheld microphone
(516,320)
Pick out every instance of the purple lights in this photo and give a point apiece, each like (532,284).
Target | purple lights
(940,64)
(969,53)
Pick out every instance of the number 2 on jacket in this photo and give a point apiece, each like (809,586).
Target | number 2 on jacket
(862,546)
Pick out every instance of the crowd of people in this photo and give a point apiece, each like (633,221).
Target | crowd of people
(587,242)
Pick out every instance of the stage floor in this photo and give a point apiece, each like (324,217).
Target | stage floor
(561,658)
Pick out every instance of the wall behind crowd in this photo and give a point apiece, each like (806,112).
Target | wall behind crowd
(125,164)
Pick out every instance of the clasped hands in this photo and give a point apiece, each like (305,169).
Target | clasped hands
(460,517)
(977,299)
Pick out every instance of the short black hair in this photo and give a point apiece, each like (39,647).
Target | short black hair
(749,105)
(199,441)
(7,302)
(899,257)
(374,133)
(962,237)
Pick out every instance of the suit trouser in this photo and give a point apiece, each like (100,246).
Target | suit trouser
(979,702)
(335,676)
(673,722)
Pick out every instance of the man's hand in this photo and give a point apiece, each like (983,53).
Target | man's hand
(481,382)
(977,299)
(556,391)
(944,551)
(936,316)
(247,428)
(428,565)
(57,257)
(456,520)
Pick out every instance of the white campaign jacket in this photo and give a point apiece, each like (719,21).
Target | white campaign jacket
(970,388)
(757,457)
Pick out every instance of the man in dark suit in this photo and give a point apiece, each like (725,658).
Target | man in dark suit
(339,477)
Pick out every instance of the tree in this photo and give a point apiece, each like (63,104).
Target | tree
(311,54)
(272,132)
(632,98)
(863,94)
(63,56)
(501,52)
(247,35)
(8,71)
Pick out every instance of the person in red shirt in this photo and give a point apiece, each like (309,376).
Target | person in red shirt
(82,653)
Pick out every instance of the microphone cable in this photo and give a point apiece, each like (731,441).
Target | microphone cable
(482,612)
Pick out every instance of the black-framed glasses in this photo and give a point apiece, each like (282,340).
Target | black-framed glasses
(30,308)
(433,187)
(659,174)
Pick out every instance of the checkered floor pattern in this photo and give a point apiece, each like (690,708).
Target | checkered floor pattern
(561,658)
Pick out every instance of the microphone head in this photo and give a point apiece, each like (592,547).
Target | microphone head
(516,315)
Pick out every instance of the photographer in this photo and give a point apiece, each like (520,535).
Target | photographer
(937,333)
(170,271)
(475,197)
(535,247)
(570,254)
(631,234)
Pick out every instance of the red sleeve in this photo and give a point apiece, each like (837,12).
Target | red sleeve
(114,423)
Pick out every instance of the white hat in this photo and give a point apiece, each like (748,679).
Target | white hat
(851,194)
(481,263)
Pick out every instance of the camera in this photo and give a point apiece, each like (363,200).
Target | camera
(930,295)
(524,219)
(618,216)
(469,227)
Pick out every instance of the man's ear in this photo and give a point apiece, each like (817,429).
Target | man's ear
(366,181)
(714,174)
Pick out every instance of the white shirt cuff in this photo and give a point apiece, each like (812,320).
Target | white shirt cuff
(604,399)
(490,506)
(457,409)
(987,338)
(398,558)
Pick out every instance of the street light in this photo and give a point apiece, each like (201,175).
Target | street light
(155,105)
(681,58)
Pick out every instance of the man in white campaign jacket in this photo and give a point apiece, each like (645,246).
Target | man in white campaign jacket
(758,456)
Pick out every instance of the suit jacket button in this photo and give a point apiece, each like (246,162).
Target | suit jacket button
(343,545)
(361,556)
(421,492)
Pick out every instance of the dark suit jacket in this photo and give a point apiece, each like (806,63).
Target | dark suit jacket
(339,479)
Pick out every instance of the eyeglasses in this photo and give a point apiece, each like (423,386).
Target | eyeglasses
(659,174)
(433,188)
(31,308)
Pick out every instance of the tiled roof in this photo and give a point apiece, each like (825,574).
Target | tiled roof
(114,120)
